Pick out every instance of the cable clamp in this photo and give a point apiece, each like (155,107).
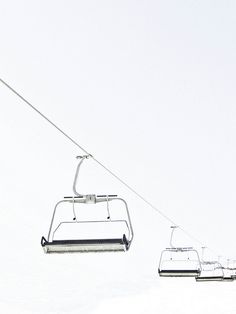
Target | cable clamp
(84,156)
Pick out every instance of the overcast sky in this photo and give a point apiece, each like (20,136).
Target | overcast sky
(148,88)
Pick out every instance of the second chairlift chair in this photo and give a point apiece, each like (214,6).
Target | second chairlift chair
(176,261)
(211,270)
(228,272)
(105,244)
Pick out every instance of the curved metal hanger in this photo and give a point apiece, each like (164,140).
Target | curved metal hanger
(203,251)
(171,236)
(82,158)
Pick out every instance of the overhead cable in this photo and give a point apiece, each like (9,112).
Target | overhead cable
(101,164)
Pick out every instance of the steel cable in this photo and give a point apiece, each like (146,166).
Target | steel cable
(103,166)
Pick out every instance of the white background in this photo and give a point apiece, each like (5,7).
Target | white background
(148,88)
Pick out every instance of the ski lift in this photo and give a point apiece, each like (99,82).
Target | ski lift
(95,244)
(210,270)
(228,273)
(179,261)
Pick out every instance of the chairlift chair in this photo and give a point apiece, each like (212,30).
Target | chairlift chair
(211,270)
(169,267)
(228,273)
(108,244)
(210,274)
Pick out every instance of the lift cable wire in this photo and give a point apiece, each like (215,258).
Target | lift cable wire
(104,167)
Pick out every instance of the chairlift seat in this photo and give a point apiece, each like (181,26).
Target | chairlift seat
(85,245)
(209,278)
(179,273)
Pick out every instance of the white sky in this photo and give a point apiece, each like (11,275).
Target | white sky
(148,87)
